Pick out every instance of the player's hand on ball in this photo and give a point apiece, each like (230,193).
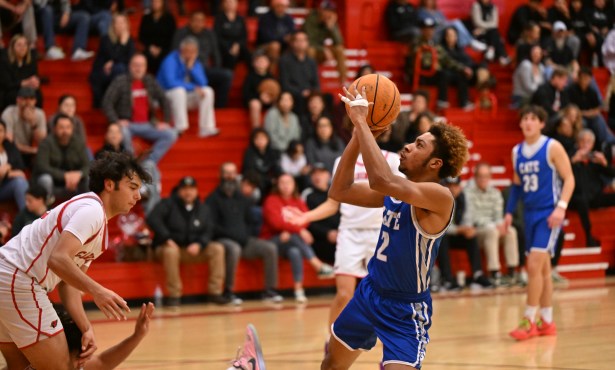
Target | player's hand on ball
(359,106)
(110,303)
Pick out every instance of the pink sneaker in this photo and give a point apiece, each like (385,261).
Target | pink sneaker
(250,357)
(546,329)
(526,330)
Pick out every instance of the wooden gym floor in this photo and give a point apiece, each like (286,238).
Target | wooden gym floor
(469,331)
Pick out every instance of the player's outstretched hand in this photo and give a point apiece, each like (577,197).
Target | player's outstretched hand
(88,346)
(145,315)
(556,218)
(110,303)
(295,216)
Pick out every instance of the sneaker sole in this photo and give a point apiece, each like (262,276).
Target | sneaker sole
(257,347)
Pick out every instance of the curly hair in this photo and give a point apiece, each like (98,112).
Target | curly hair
(451,146)
(114,166)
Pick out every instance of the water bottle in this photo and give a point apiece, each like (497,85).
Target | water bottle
(158,296)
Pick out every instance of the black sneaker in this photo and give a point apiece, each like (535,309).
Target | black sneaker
(233,299)
(480,283)
(272,296)
(220,299)
(451,286)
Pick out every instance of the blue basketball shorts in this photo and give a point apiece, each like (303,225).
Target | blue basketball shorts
(538,235)
(401,326)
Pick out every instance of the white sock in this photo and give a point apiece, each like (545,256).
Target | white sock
(530,313)
(547,314)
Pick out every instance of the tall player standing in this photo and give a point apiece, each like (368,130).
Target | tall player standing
(393,302)
(540,165)
(57,249)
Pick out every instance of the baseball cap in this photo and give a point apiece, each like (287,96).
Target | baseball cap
(559,26)
(428,22)
(319,166)
(26,92)
(186,181)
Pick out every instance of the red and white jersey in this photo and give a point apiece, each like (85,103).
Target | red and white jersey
(354,217)
(83,216)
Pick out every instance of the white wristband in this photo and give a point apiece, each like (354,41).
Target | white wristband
(562,204)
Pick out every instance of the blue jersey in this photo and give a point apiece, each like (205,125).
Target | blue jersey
(405,254)
(539,180)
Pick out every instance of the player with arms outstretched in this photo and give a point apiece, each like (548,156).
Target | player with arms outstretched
(56,250)
(393,302)
(541,165)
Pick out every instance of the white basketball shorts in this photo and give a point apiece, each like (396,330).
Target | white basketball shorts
(26,313)
(354,249)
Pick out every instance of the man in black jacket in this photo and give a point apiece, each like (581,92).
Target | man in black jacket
(552,95)
(401,20)
(590,168)
(324,231)
(584,96)
(62,163)
(183,229)
(299,71)
(233,228)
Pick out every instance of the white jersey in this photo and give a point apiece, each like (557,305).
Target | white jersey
(83,216)
(354,217)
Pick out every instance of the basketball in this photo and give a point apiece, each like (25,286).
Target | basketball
(271,87)
(384,94)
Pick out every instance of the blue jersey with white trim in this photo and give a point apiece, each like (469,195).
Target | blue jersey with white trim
(540,181)
(405,253)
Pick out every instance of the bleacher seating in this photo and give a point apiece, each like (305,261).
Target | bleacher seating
(362,24)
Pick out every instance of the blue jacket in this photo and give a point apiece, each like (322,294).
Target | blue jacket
(172,73)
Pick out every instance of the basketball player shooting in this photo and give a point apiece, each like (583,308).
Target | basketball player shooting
(56,250)
(393,302)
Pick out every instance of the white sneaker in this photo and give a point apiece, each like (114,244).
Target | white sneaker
(81,54)
(209,132)
(478,46)
(54,53)
(300,296)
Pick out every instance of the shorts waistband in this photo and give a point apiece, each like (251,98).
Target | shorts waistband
(397,295)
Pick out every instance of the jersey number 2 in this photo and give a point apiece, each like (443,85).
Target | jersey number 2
(530,183)
(385,243)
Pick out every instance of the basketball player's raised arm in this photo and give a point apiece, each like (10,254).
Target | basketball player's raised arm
(114,356)
(344,189)
(426,195)
(559,158)
(62,264)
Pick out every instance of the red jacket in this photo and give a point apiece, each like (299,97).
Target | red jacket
(274,223)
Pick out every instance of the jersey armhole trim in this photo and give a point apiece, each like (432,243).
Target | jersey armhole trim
(422,231)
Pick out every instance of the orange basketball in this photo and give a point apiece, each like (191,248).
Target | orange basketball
(385,96)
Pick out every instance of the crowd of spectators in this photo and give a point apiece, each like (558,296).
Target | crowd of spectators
(146,83)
